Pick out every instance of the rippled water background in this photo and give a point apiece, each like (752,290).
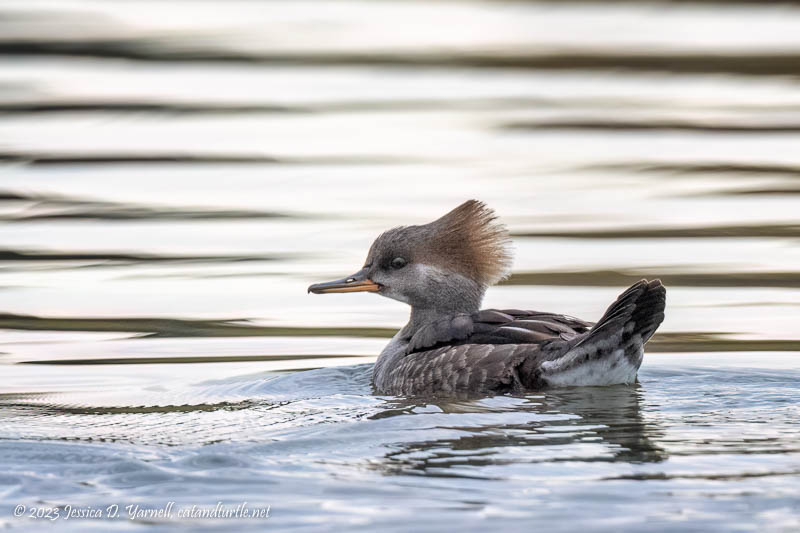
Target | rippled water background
(175,174)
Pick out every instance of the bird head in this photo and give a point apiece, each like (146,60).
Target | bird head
(443,264)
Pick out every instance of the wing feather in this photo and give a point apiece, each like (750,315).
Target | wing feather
(493,326)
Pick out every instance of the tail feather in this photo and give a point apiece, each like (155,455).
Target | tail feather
(637,311)
(611,352)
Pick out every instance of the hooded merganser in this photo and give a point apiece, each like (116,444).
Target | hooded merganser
(449,346)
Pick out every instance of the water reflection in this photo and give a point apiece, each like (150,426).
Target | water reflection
(619,410)
(608,419)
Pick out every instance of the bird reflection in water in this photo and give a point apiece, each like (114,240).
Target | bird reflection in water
(559,423)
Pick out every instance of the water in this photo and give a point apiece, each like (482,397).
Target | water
(175,174)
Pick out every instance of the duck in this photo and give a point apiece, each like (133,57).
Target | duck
(450,346)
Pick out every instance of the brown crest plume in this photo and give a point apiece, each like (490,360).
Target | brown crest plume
(470,241)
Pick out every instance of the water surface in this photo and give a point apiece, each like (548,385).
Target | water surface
(172,183)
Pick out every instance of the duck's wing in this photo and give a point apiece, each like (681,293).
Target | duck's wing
(482,352)
(513,326)
(497,326)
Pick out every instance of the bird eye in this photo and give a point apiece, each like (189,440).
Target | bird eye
(398,262)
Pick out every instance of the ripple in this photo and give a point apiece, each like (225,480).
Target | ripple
(752,63)
(756,191)
(698,232)
(726,169)
(174,327)
(129,158)
(186,359)
(654,125)
(624,278)
(52,207)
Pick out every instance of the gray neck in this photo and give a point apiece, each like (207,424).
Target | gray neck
(445,294)
(459,296)
(421,316)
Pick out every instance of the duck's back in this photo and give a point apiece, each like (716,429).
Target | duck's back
(498,351)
